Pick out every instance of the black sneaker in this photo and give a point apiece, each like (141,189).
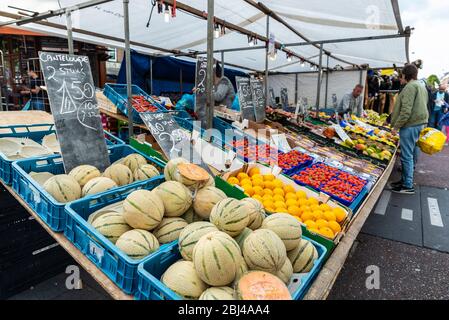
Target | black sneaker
(395,184)
(403,190)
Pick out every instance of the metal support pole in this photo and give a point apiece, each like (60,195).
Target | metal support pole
(361,78)
(128,67)
(68,16)
(266,61)
(320,69)
(327,81)
(151,75)
(210,65)
(222,64)
(296,89)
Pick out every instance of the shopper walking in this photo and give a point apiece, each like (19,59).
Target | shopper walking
(410,116)
(438,99)
(445,121)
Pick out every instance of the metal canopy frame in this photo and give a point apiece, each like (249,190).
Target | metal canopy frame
(36,18)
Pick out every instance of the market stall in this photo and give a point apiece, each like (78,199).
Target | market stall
(309,184)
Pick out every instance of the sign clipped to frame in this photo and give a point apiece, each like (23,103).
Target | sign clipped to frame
(74,106)
(200,85)
(245,98)
(258,96)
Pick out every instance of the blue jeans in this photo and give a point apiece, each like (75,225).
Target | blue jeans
(409,153)
(37,104)
(435,117)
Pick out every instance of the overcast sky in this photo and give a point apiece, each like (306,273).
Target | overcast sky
(430,39)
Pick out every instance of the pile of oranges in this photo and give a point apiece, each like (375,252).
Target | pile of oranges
(278,197)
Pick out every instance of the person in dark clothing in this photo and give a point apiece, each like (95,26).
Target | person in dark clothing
(437,102)
(36,102)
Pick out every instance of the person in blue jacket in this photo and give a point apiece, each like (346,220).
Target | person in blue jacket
(444,121)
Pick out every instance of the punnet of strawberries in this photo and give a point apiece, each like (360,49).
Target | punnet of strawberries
(255,152)
(292,159)
(141,104)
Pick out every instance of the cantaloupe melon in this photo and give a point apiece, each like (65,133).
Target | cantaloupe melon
(137,243)
(230,216)
(171,166)
(286,272)
(143,209)
(190,235)
(97,185)
(84,173)
(303,257)
(256,212)
(286,227)
(216,256)
(210,182)
(205,199)
(218,293)
(134,161)
(259,285)
(242,268)
(63,188)
(191,175)
(144,172)
(112,225)
(176,197)
(114,207)
(240,239)
(190,216)
(120,174)
(169,229)
(263,250)
(182,278)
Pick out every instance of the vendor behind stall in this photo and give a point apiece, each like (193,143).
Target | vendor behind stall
(224,93)
(352,103)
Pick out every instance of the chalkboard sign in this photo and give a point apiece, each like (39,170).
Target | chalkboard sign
(173,140)
(245,98)
(73,103)
(200,85)
(284,98)
(258,95)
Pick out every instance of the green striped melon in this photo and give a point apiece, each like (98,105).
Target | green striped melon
(190,235)
(84,173)
(210,182)
(120,174)
(143,209)
(286,227)
(230,216)
(240,239)
(134,161)
(170,168)
(242,268)
(190,216)
(286,272)
(97,185)
(169,229)
(216,256)
(263,250)
(206,199)
(144,172)
(137,243)
(218,293)
(303,256)
(256,212)
(176,197)
(182,278)
(191,184)
(63,188)
(111,224)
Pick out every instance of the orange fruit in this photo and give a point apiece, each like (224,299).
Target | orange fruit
(278,184)
(315,207)
(290,195)
(246,181)
(248,190)
(258,197)
(312,201)
(280,204)
(278,197)
(303,202)
(281,210)
(305,216)
(258,190)
(325,207)
(270,209)
(268,204)
(268,177)
(267,197)
(267,191)
(233,181)
(314,230)
(268,185)
(305,208)
(278,191)
(258,183)
(289,189)
(318,214)
(330,216)
(301,194)
(290,202)
(294,210)
(340,214)
(311,224)
(334,226)
(242,175)
(322,223)
(327,232)
(254,171)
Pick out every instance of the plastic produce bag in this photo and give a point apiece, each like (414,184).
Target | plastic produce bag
(431,141)
(187,102)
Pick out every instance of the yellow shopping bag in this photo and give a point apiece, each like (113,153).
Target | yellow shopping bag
(431,141)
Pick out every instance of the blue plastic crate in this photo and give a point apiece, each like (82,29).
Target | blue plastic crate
(36,133)
(50,210)
(118,95)
(150,272)
(120,268)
